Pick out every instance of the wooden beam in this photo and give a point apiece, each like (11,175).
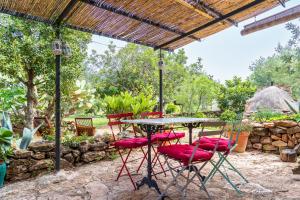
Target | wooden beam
(213,22)
(194,8)
(273,20)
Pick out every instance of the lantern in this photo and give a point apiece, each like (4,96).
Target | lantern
(57,47)
(66,50)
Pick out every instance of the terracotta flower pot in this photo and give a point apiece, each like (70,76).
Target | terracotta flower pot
(2,173)
(242,140)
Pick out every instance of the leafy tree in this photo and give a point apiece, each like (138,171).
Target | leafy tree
(134,68)
(234,94)
(26,58)
(283,67)
(196,93)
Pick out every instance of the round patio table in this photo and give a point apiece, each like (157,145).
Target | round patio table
(151,126)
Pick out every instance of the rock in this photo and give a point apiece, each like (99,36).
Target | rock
(269,147)
(288,155)
(69,157)
(274,137)
(20,177)
(65,150)
(279,143)
(285,123)
(257,125)
(97,189)
(255,139)
(268,124)
(260,131)
(76,154)
(64,164)
(257,146)
(293,130)
(92,156)
(277,130)
(284,137)
(16,169)
(297,135)
(22,153)
(99,146)
(265,140)
(25,162)
(83,147)
(42,164)
(41,146)
(39,155)
(291,144)
(249,145)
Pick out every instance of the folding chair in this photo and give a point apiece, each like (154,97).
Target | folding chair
(130,144)
(162,138)
(84,125)
(189,156)
(225,147)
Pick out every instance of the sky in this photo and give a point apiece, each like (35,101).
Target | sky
(227,53)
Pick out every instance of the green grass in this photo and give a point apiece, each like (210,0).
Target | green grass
(97,121)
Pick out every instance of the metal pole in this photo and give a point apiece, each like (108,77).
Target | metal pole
(160,64)
(57,105)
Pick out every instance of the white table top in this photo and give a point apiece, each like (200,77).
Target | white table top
(165,121)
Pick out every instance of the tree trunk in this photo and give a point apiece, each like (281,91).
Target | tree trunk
(31,100)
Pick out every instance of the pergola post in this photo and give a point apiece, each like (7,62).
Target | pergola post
(57,104)
(160,64)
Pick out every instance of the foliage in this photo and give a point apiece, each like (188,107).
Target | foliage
(73,140)
(27,61)
(27,136)
(134,68)
(125,102)
(5,121)
(172,108)
(50,138)
(228,116)
(196,92)
(283,67)
(241,126)
(200,115)
(267,115)
(5,143)
(234,94)
(12,98)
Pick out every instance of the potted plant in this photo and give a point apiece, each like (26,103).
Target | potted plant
(5,151)
(235,130)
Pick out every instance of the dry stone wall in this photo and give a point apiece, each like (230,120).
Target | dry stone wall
(40,158)
(274,136)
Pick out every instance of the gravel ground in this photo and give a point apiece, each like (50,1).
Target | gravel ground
(269,179)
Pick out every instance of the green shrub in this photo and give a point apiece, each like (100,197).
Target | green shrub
(125,102)
(268,115)
(200,115)
(228,116)
(172,108)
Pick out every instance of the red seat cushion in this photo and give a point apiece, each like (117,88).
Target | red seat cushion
(131,143)
(183,153)
(210,143)
(166,136)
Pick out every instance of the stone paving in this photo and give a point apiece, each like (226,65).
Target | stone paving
(269,179)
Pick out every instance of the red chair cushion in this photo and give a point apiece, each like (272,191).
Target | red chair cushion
(210,143)
(183,153)
(131,143)
(166,136)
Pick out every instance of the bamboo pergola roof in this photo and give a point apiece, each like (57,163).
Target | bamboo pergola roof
(165,24)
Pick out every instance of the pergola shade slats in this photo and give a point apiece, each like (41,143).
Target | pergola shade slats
(166,24)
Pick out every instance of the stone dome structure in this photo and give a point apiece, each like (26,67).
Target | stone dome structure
(270,98)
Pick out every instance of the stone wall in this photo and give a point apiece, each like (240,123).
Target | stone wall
(40,158)
(274,136)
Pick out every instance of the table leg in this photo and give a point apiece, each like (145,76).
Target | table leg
(148,179)
(190,127)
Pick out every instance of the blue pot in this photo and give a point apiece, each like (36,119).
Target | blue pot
(2,173)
